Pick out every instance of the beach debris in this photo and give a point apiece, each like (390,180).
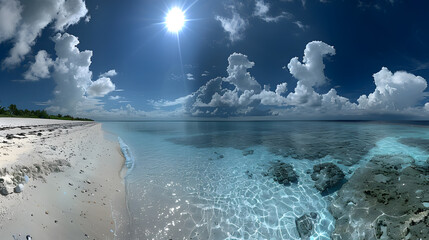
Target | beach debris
(248,152)
(305,225)
(19,188)
(9,136)
(282,173)
(326,176)
(21,174)
(3,172)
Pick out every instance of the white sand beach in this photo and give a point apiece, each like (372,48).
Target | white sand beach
(70,171)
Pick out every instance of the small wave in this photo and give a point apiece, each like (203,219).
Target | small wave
(129,159)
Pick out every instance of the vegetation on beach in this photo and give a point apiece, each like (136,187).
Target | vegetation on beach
(13,111)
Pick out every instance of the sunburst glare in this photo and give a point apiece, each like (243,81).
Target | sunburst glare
(175,20)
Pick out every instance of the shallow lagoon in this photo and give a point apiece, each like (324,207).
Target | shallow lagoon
(199,180)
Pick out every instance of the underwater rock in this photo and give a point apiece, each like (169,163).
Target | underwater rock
(383,200)
(305,225)
(248,152)
(326,176)
(282,173)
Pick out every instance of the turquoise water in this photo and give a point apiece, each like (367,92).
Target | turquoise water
(193,180)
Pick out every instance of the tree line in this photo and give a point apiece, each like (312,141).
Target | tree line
(13,111)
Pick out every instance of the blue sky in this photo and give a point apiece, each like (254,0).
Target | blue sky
(116,60)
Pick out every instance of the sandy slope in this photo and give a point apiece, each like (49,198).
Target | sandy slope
(85,200)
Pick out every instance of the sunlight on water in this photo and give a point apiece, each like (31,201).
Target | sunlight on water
(186,189)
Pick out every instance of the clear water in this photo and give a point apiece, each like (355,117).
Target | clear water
(190,180)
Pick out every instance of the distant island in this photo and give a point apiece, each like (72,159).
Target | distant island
(13,111)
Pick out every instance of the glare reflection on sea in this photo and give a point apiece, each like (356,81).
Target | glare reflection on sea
(191,180)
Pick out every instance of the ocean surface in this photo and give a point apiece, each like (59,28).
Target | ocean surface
(208,180)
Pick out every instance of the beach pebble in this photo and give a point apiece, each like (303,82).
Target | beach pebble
(19,188)
(3,191)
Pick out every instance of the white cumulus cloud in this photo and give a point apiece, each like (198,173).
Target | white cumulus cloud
(100,87)
(110,73)
(239,93)
(393,91)
(23,21)
(40,68)
(310,73)
(10,15)
(281,88)
(75,90)
(238,74)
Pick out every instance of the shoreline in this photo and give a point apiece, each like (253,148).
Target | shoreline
(74,188)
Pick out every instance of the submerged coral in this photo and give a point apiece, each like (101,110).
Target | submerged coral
(282,173)
(386,199)
(326,176)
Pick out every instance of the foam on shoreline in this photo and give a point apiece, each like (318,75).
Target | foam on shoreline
(129,158)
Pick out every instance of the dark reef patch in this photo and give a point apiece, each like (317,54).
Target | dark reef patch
(327,176)
(282,173)
(301,140)
(416,142)
(386,199)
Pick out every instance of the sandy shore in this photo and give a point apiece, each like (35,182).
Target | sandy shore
(71,176)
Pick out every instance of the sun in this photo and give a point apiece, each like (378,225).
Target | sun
(175,20)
